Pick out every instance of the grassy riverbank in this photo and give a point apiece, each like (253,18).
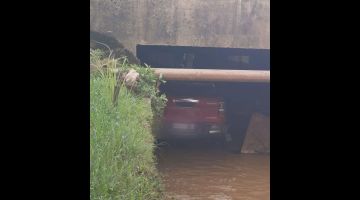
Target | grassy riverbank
(122,163)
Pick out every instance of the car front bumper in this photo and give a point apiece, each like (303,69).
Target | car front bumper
(191,129)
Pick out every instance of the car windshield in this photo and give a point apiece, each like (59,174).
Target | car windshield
(189,89)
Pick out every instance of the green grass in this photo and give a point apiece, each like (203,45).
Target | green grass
(122,161)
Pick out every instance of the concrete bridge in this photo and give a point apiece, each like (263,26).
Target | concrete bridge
(204,23)
(215,23)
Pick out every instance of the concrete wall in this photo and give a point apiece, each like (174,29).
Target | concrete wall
(218,23)
(257,139)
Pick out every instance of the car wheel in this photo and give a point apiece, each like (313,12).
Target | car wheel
(232,141)
(230,144)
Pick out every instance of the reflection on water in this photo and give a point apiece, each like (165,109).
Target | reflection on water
(204,170)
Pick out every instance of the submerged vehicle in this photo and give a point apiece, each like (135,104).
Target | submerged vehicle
(193,110)
(193,116)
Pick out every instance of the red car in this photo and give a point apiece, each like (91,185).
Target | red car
(186,116)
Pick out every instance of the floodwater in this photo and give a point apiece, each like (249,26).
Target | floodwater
(194,170)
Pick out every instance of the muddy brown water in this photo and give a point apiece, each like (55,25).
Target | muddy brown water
(205,170)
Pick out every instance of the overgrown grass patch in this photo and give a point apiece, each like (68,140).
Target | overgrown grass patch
(122,161)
